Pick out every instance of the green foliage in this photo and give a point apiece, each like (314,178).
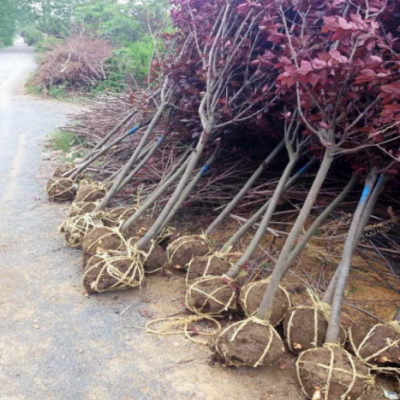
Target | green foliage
(47,44)
(62,140)
(33,36)
(8,12)
(59,92)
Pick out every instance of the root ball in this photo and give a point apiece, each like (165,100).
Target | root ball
(377,346)
(104,239)
(211,295)
(76,228)
(305,328)
(201,266)
(155,259)
(80,208)
(117,216)
(105,272)
(62,169)
(252,294)
(331,373)
(251,342)
(182,250)
(90,191)
(60,189)
(139,228)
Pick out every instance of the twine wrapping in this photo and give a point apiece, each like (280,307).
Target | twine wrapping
(179,325)
(76,228)
(80,208)
(178,243)
(131,278)
(369,361)
(60,189)
(195,286)
(90,196)
(331,368)
(247,290)
(208,264)
(237,328)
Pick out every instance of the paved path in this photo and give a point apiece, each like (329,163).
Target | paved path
(54,342)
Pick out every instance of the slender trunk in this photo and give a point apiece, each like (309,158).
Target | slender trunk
(273,202)
(280,269)
(142,154)
(251,221)
(74,173)
(110,135)
(155,196)
(150,154)
(318,222)
(329,292)
(190,187)
(228,209)
(194,158)
(332,334)
(111,193)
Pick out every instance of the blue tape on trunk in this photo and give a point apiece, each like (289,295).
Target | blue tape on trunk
(365,194)
(205,169)
(133,130)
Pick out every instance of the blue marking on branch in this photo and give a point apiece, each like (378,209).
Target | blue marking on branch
(133,130)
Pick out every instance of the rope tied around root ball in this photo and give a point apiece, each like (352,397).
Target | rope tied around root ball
(390,344)
(61,189)
(97,190)
(230,304)
(238,329)
(210,258)
(131,277)
(330,367)
(247,291)
(177,244)
(179,325)
(75,229)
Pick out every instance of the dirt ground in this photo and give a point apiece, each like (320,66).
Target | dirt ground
(56,343)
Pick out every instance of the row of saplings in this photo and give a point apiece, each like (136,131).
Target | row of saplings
(113,262)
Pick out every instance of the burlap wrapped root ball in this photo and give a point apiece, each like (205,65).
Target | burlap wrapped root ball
(252,294)
(105,272)
(60,189)
(90,191)
(305,328)
(182,250)
(214,265)
(117,216)
(211,295)
(81,208)
(63,169)
(75,229)
(377,346)
(331,373)
(251,342)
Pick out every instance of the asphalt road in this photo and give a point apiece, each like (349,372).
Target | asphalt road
(54,342)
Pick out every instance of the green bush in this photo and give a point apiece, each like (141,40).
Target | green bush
(47,44)
(33,36)
(62,140)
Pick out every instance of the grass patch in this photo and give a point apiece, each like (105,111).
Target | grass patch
(62,140)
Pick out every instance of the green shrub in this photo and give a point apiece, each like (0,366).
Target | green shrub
(33,36)
(62,140)
(59,92)
(47,44)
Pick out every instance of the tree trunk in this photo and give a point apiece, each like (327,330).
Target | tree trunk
(273,202)
(251,221)
(332,334)
(113,190)
(280,269)
(154,196)
(228,209)
(194,158)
